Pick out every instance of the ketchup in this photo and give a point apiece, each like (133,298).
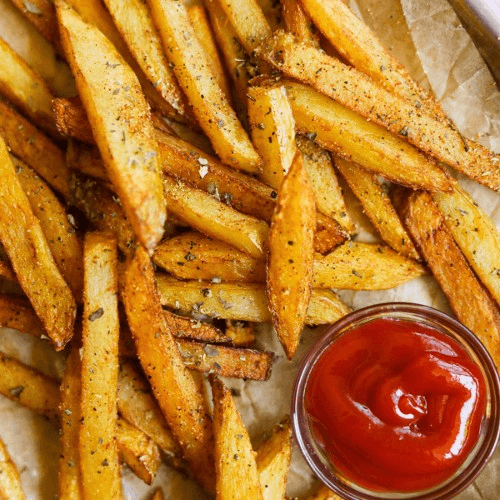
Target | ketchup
(396,405)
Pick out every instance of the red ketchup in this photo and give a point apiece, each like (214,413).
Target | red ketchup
(396,405)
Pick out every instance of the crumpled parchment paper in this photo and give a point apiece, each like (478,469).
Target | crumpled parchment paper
(459,78)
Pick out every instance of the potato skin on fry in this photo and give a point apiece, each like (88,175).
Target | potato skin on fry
(291,253)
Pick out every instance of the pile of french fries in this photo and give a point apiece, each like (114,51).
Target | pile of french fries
(194,188)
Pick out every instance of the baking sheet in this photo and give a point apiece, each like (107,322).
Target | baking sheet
(461,81)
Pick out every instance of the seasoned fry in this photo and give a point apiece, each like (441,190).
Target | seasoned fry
(87,160)
(58,230)
(273,461)
(34,148)
(193,71)
(298,23)
(226,361)
(291,253)
(69,477)
(10,480)
(120,120)
(235,465)
(172,384)
(352,137)
(31,259)
(273,132)
(357,92)
(244,302)
(378,207)
(241,333)
(6,271)
(26,89)
(272,10)
(71,119)
(207,214)
(323,493)
(98,453)
(475,234)
(469,300)
(16,312)
(191,329)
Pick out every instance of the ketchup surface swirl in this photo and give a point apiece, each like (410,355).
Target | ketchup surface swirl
(397,406)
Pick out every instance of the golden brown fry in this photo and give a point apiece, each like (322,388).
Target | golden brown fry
(10,480)
(272,11)
(469,300)
(172,384)
(226,361)
(71,119)
(158,495)
(138,451)
(327,192)
(120,120)
(273,460)
(199,21)
(378,207)
(235,465)
(56,226)
(193,71)
(323,493)
(34,148)
(475,234)
(357,92)
(87,160)
(26,88)
(98,452)
(238,301)
(298,23)
(241,333)
(6,271)
(31,258)
(69,477)
(137,405)
(291,253)
(191,329)
(205,213)
(16,312)
(354,138)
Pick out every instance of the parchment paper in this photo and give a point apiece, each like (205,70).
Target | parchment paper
(461,81)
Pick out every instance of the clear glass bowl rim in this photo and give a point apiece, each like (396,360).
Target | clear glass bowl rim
(392,309)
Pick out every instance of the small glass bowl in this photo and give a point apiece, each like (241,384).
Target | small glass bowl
(490,430)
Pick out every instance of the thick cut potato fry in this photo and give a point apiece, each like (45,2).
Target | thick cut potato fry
(194,73)
(120,120)
(172,384)
(298,23)
(6,271)
(16,312)
(235,465)
(26,89)
(273,461)
(291,253)
(327,191)
(137,405)
(323,493)
(226,361)
(34,148)
(352,137)
(205,213)
(191,329)
(69,477)
(244,302)
(71,119)
(10,480)
(273,132)
(158,495)
(31,258)
(87,160)
(475,234)
(98,452)
(58,230)
(357,92)
(378,207)
(469,300)
(241,333)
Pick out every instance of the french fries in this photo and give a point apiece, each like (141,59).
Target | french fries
(71,119)
(10,481)
(298,23)
(120,120)
(16,312)
(291,253)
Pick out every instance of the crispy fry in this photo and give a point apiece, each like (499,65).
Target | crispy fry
(6,271)
(26,89)
(87,160)
(34,148)
(298,23)
(98,453)
(16,312)
(378,207)
(193,71)
(241,333)
(235,465)
(158,495)
(273,461)
(244,302)
(56,226)
(120,120)
(207,214)
(191,329)
(357,92)
(10,480)
(272,11)
(291,253)
(172,384)
(71,119)
(31,259)
(469,300)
